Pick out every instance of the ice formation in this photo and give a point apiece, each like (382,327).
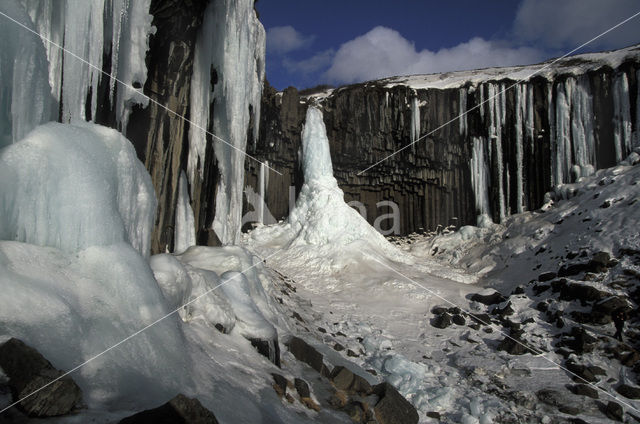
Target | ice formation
(231,44)
(24,79)
(93,30)
(185,232)
(73,187)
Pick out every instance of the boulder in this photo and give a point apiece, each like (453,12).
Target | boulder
(630,392)
(584,390)
(489,299)
(279,384)
(179,410)
(29,371)
(458,319)
(547,276)
(600,262)
(268,348)
(345,379)
(308,354)
(443,320)
(302,388)
(392,407)
(614,411)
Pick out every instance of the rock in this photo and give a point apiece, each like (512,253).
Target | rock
(514,345)
(631,358)
(610,304)
(439,310)
(454,310)
(302,387)
(338,347)
(489,299)
(352,354)
(518,290)
(614,411)
(483,319)
(393,408)
(268,348)
(306,353)
(179,410)
(280,384)
(442,321)
(547,276)
(564,404)
(322,330)
(356,411)
(433,414)
(582,292)
(29,371)
(344,379)
(600,262)
(587,373)
(542,306)
(459,319)
(338,400)
(579,341)
(630,392)
(573,269)
(583,390)
(503,312)
(310,403)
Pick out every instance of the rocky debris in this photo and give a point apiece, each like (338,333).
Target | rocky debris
(614,411)
(279,384)
(514,345)
(578,291)
(483,319)
(302,387)
(352,354)
(578,340)
(359,412)
(600,262)
(308,354)
(338,347)
(179,410)
(268,348)
(587,373)
(630,392)
(504,311)
(29,371)
(393,408)
(489,299)
(443,320)
(344,379)
(459,319)
(559,400)
(547,276)
(583,390)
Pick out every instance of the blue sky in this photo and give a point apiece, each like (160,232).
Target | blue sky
(347,41)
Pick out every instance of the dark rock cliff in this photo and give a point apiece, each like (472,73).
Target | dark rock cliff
(514,143)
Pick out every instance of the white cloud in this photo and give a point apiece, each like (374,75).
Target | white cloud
(285,39)
(570,23)
(384,52)
(315,63)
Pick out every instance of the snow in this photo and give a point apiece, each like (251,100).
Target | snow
(232,43)
(75,186)
(24,84)
(571,65)
(185,232)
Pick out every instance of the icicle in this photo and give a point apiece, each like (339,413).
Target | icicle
(621,117)
(463,109)
(415,122)
(582,127)
(261,191)
(232,42)
(521,95)
(185,227)
(480,176)
(562,162)
(636,143)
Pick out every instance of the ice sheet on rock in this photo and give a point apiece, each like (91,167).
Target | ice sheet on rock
(24,77)
(231,44)
(75,186)
(71,307)
(185,232)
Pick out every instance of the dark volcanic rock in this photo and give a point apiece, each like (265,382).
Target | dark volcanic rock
(393,408)
(308,354)
(179,410)
(29,371)
(443,320)
(489,299)
(584,390)
(630,392)
(345,379)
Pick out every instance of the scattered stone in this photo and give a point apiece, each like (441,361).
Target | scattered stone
(322,330)
(268,348)
(341,334)
(338,347)
(345,379)
(289,398)
(29,371)
(583,390)
(505,311)
(179,410)
(542,306)
(631,358)
(302,388)
(630,392)
(433,414)
(372,371)
(489,299)
(614,411)
(306,353)
(297,316)
(443,320)
(454,310)
(459,319)
(559,400)
(352,354)
(393,408)
(338,400)
(600,262)
(518,290)
(513,345)
(439,310)
(546,276)
(279,384)
(483,319)
(587,373)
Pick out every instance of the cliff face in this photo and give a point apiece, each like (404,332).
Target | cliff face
(514,142)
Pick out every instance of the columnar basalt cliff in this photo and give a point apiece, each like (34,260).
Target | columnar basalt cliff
(519,136)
